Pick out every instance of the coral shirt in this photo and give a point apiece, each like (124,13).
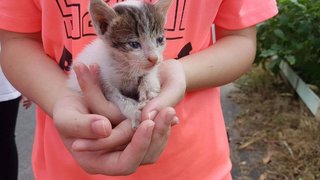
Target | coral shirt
(198,146)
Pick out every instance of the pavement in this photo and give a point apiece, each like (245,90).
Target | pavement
(26,124)
(24,138)
(230,111)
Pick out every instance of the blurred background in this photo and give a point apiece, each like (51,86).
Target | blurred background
(276,131)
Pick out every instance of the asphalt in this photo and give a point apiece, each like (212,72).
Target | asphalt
(24,138)
(26,124)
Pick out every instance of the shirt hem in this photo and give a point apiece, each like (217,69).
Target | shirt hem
(10,96)
(246,20)
(21,25)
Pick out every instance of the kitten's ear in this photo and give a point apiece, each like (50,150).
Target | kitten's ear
(163,6)
(101,15)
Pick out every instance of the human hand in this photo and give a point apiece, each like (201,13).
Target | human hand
(26,102)
(122,134)
(123,150)
(88,78)
(74,122)
(163,121)
(173,87)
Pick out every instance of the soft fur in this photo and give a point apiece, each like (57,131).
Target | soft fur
(128,50)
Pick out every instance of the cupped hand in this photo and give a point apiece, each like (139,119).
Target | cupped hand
(88,78)
(173,88)
(74,120)
(122,136)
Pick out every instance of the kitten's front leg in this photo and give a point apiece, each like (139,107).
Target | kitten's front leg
(128,107)
(148,89)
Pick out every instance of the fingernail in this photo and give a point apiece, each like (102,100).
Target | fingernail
(100,128)
(175,121)
(78,145)
(152,114)
(92,67)
(150,126)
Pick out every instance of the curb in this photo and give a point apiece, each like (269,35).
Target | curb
(310,98)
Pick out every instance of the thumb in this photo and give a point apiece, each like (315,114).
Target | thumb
(88,78)
(78,125)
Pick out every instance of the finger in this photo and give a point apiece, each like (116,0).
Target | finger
(89,82)
(87,79)
(172,89)
(136,150)
(161,132)
(120,135)
(151,115)
(71,123)
(166,98)
(127,161)
(27,103)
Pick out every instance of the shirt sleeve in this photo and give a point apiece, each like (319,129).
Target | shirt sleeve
(20,16)
(238,14)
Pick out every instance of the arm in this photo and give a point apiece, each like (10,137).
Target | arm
(39,78)
(22,68)
(219,64)
(223,62)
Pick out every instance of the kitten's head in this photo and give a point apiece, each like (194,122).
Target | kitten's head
(133,29)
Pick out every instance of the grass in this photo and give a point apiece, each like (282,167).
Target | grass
(278,136)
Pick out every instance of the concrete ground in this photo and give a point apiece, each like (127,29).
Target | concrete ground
(26,124)
(24,138)
(230,111)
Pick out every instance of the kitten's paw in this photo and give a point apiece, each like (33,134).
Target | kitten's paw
(152,94)
(142,104)
(143,96)
(135,122)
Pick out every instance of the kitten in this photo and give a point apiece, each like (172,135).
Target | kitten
(128,50)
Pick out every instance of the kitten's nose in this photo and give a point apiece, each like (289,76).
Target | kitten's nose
(153,59)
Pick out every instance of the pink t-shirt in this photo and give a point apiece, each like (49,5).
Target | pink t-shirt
(198,147)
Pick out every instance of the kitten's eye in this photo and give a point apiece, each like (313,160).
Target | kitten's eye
(160,40)
(134,44)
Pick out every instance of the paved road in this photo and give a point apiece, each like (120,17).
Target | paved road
(230,111)
(24,138)
(26,123)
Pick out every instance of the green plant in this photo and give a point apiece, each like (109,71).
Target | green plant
(293,36)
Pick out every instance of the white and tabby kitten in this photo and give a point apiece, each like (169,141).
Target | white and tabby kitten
(128,50)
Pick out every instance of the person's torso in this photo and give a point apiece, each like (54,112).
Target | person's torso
(198,147)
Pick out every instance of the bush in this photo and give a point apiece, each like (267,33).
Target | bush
(293,36)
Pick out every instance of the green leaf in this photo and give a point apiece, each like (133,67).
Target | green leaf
(267,53)
(283,19)
(279,33)
(292,36)
(291,59)
(273,66)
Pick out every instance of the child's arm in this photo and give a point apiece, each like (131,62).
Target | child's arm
(29,74)
(230,57)
(38,77)
(221,63)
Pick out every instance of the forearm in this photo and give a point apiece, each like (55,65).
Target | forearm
(223,62)
(31,71)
